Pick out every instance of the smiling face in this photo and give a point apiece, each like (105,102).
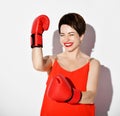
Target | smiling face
(69,38)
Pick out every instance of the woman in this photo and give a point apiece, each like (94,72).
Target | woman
(72,75)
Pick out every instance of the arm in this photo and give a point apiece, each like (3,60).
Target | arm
(41,63)
(40,24)
(89,95)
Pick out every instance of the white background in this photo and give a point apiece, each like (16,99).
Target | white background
(21,87)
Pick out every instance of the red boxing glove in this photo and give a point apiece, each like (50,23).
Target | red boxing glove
(60,90)
(40,24)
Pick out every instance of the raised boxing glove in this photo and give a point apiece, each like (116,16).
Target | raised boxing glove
(40,24)
(60,90)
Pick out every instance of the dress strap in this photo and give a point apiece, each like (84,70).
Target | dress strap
(91,59)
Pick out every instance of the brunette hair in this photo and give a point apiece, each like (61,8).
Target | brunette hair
(75,21)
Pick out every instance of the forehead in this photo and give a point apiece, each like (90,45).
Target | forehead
(66,29)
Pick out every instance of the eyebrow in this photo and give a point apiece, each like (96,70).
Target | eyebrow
(69,32)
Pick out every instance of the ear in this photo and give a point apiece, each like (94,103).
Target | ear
(81,37)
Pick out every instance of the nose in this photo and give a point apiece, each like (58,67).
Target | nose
(66,38)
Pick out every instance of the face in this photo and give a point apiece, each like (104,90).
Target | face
(69,38)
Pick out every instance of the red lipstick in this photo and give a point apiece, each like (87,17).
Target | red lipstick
(68,44)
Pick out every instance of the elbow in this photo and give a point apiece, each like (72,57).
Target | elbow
(37,67)
(87,98)
(91,98)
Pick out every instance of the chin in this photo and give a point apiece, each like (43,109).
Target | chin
(69,49)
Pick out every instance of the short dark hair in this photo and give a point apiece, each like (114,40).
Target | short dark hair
(74,20)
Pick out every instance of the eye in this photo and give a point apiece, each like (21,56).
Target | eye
(61,35)
(71,34)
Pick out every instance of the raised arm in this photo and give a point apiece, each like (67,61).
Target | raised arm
(40,24)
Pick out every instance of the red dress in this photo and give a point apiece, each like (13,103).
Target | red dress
(79,78)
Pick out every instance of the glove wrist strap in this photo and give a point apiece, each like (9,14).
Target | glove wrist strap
(36,40)
(76,97)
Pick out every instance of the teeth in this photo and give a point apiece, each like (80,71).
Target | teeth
(68,44)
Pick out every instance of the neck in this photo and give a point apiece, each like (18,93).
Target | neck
(73,54)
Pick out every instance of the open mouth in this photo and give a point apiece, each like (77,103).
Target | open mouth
(68,44)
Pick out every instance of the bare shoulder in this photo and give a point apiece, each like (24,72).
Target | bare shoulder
(94,62)
(51,58)
(94,68)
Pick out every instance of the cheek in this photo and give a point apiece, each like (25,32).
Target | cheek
(61,41)
(77,41)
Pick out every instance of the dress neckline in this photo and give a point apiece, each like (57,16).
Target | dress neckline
(80,68)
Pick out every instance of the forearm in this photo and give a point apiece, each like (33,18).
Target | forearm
(59,90)
(87,97)
(37,58)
